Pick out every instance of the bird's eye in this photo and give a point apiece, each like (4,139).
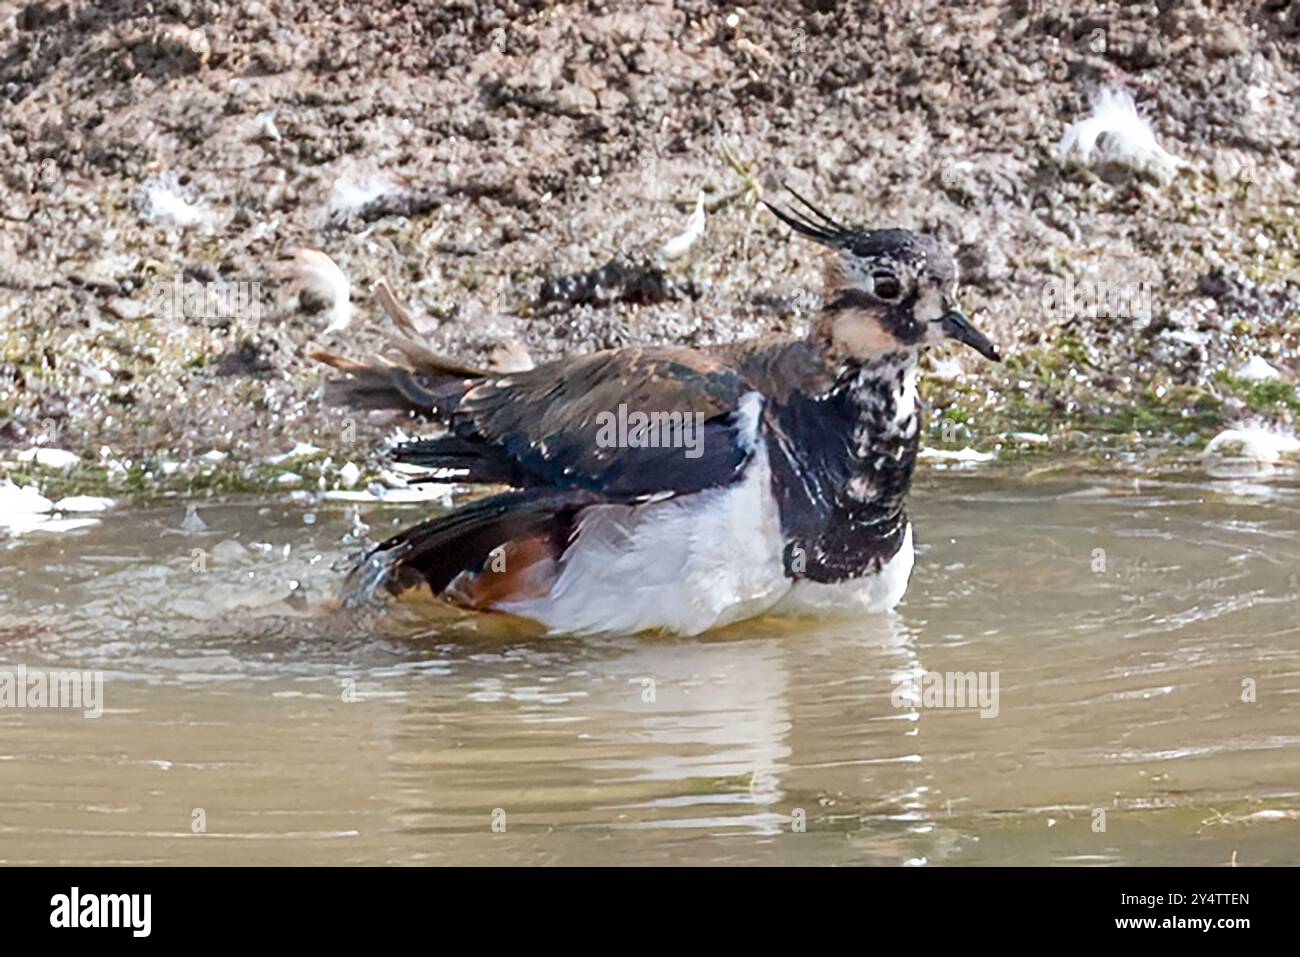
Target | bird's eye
(886,286)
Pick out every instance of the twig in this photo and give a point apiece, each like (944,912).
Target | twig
(749,183)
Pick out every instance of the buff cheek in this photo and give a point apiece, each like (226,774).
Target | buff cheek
(862,336)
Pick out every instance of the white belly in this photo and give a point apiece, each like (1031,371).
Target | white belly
(683,565)
(689,564)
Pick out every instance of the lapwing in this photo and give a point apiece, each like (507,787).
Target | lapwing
(675,489)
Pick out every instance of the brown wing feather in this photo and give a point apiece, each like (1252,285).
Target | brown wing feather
(517,570)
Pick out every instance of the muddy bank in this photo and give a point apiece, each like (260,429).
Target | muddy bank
(513,169)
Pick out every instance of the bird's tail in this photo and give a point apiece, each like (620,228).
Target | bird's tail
(503,548)
(415,380)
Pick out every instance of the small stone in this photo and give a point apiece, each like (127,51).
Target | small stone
(127,310)
(1227,40)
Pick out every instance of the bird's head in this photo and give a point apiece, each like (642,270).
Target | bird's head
(886,289)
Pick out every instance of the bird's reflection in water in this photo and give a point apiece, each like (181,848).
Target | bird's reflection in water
(648,733)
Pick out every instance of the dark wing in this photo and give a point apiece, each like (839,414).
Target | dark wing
(628,423)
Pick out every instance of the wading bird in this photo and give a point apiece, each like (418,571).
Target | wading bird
(681,489)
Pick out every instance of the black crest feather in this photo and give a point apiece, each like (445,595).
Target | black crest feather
(823,228)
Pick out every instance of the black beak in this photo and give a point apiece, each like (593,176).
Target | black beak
(955,325)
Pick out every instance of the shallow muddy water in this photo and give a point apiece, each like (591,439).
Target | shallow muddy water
(1126,615)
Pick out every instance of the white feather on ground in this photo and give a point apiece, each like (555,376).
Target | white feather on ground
(23,509)
(1251,443)
(683,241)
(964,456)
(353,195)
(84,503)
(321,276)
(1114,132)
(22,500)
(349,475)
(161,201)
(266,123)
(50,458)
(1256,369)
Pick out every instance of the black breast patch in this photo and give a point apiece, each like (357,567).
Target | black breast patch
(841,470)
